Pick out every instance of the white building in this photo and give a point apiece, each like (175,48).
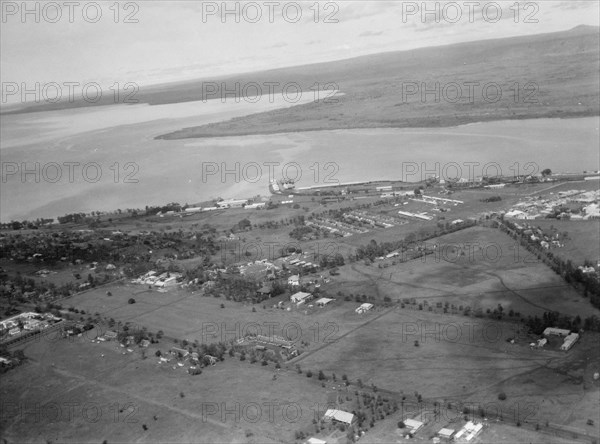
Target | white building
(364,308)
(294,280)
(413,425)
(551,331)
(232,203)
(324,301)
(569,341)
(300,297)
(445,433)
(255,206)
(338,415)
(470,430)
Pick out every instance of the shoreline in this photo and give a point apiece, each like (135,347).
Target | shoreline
(201,132)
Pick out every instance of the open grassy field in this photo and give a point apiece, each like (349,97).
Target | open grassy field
(581,243)
(542,385)
(479,267)
(231,402)
(192,316)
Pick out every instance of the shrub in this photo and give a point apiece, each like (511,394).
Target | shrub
(131,301)
(502,396)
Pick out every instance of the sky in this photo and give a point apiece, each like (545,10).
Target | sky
(150,42)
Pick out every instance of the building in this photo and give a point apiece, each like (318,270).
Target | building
(445,433)
(516,214)
(255,206)
(470,430)
(232,203)
(413,425)
(300,297)
(294,280)
(324,301)
(551,331)
(264,291)
(339,416)
(315,441)
(542,342)
(364,308)
(569,341)
(183,352)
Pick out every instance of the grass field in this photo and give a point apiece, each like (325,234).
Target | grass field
(231,402)
(191,316)
(493,270)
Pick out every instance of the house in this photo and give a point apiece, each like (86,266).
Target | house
(232,203)
(300,297)
(180,351)
(339,416)
(516,214)
(445,433)
(144,343)
(324,301)
(413,425)
(551,331)
(569,341)
(542,342)
(294,280)
(265,290)
(211,359)
(364,308)
(255,206)
(315,441)
(110,335)
(14,331)
(470,429)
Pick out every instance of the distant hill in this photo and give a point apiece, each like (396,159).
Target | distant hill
(560,69)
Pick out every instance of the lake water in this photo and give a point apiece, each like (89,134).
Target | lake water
(118,142)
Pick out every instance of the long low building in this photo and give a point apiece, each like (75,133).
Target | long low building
(300,297)
(364,308)
(232,203)
(570,340)
(339,416)
(551,331)
(324,301)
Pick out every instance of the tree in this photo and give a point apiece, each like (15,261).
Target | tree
(131,301)
(546,172)
(401,424)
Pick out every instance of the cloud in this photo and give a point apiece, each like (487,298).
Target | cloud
(279,45)
(573,5)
